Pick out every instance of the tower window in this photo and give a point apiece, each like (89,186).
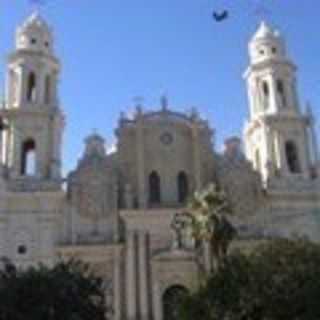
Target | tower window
(21,250)
(292,157)
(183,187)
(266,94)
(281,93)
(31,89)
(154,188)
(33,41)
(47,89)
(28,158)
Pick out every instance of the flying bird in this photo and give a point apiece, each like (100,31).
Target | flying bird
(220,16)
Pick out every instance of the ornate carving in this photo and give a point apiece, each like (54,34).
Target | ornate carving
(166,138)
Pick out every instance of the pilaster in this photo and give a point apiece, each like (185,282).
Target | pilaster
(131,279)
(143,276)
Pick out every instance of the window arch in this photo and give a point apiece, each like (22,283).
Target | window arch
(47,96)
(28,158)
(31,87)
(154,188)
(183,186)
(281,93)
(171,300)
(292,156)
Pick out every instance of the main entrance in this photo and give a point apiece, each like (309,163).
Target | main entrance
(171,299)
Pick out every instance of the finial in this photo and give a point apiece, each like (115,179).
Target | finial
(194,113)
(262,12)
(138,101)
(164,102)
(37,4)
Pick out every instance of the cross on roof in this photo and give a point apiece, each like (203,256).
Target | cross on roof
(37,4)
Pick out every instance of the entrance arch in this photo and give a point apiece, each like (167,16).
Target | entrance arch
(171,298)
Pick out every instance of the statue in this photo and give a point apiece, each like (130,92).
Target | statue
(179,224)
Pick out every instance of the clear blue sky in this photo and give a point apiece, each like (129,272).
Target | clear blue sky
(114,50)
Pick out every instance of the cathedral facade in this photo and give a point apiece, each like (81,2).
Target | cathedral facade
(117,208)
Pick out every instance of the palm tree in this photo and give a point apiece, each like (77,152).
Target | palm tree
(208,223)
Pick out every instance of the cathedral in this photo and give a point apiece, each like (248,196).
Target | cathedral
(115,210)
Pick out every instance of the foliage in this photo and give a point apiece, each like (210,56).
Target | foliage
(279,280)
(69,290)
(208,211)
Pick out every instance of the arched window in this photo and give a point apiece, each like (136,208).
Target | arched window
(266,94)
(47,96)
(292,157)
(154,188)
(281,93)
(28,158)
(183,187)
(31,87)
(171,300)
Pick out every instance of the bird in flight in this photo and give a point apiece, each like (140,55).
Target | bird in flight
(220,16)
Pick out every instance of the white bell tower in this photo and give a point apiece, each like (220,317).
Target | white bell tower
(31,143)
(277,135)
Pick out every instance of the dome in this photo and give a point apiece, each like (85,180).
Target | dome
(265,32)
(34,35)
(36,21)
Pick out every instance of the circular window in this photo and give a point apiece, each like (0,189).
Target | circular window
(33,41)
(22,249)
(166,138)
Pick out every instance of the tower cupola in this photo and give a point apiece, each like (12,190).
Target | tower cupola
(266,44)
(95,145)
(35,35)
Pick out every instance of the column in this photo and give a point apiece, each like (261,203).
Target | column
(143,276)
(157,302)
(131,282)
(274,104)
(282,153)
(314,143)
(117,284)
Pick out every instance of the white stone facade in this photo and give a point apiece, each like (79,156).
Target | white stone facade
(117,209)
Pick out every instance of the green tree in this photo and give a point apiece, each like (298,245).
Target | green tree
(279,280)
(69,290)
(208,211)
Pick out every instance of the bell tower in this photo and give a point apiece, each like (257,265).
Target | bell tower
(31,143)
(277,134)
